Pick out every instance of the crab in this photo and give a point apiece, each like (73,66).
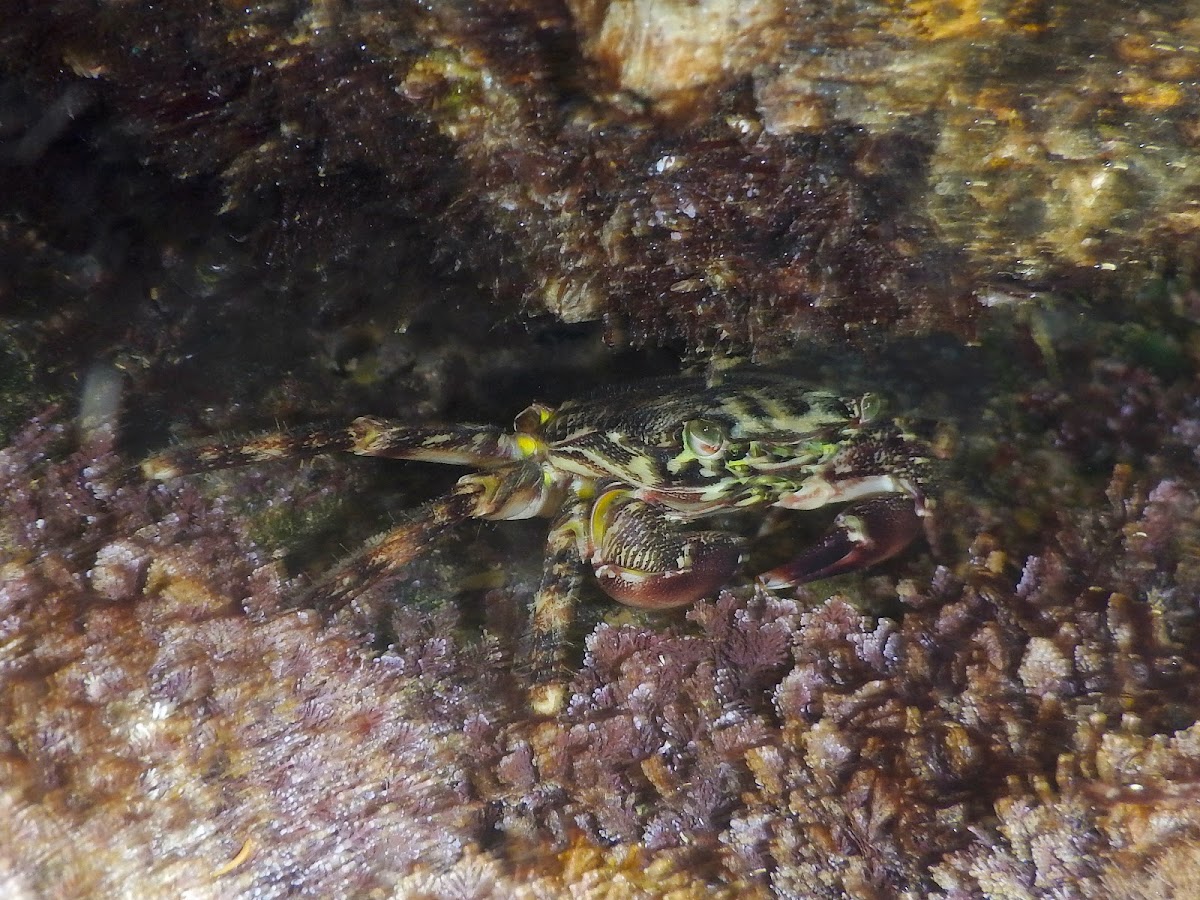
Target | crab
(626,476)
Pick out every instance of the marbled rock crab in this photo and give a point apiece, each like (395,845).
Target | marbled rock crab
(626,475)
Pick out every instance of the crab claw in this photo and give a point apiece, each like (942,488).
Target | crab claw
(640,560)
(862,535)
(707,560)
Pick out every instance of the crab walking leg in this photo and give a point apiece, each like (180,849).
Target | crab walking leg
(554,609)
(460,445)
(863,534)
(385,555)
(478,445)
(518,491)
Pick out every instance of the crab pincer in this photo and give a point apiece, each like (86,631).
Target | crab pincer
(863,534)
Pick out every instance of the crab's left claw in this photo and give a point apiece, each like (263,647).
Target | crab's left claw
(862,535)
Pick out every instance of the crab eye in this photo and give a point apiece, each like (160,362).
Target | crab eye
(704,438)
(869,407)
(533,418)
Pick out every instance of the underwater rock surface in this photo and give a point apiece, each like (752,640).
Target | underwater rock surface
(816,171)
(733,175)
(222,218)
(1007,726)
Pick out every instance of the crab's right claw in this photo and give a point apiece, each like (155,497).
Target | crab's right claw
(862,535)
(703,562)
(641,560)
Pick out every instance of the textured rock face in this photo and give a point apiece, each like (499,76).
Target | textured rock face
(222,218)
(528,147)
(170,722)
(672,53)
(736,175)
